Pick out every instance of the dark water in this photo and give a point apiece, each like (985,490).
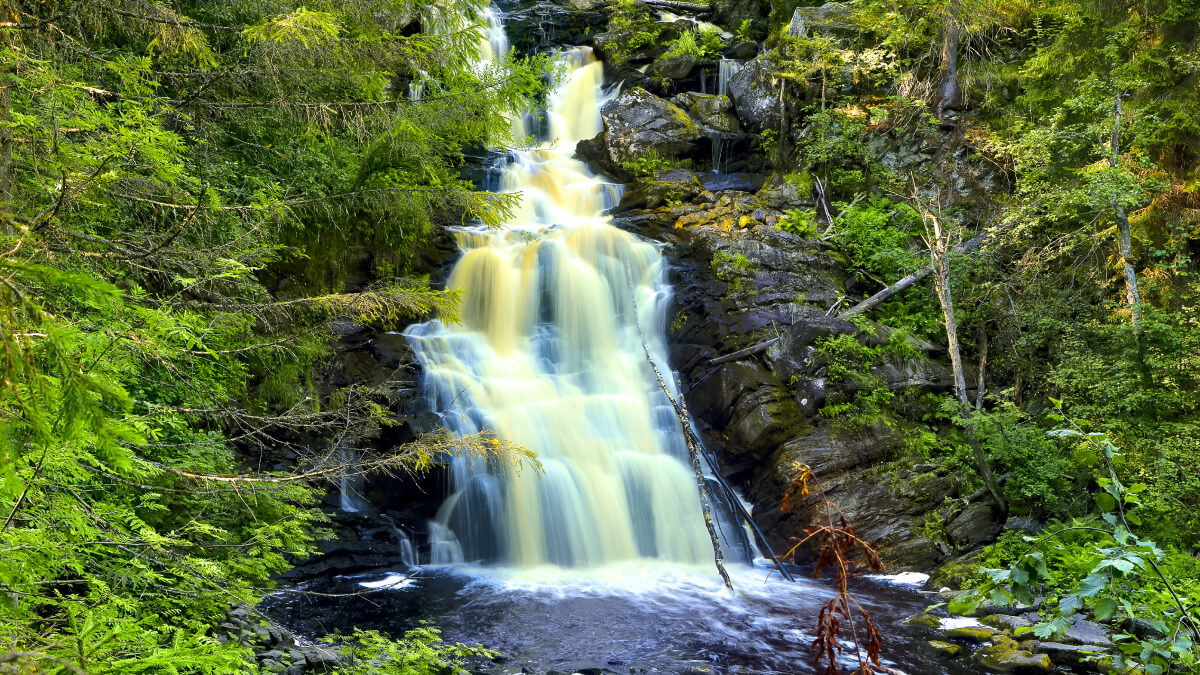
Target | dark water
(628,619)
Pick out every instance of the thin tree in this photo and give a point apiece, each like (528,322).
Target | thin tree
(938,240)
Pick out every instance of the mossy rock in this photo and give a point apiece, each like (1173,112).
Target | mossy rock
(924,620)
(970,633)
(944,649)
(1007,657)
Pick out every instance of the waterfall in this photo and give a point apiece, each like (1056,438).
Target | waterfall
(549,355)
(727,69)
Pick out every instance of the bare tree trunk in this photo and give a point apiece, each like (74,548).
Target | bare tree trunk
(781,148)
(950,97)
(6,142)
(938,252)
(983,359)
(1125,246)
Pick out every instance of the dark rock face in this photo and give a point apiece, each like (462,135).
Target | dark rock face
(542,25)
(977,523)
(741,282)
(832,18)
(755,97)
(638,122)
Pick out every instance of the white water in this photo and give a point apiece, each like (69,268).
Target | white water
(550,355)
(726,70)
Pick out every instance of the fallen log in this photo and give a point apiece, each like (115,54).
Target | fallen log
(681,6)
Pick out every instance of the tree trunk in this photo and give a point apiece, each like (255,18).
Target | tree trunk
(938,251)
(6,142)
(1133,295)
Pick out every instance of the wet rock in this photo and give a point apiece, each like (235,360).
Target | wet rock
(755,97)
(536,26)
(678,67)
(1006,656)
(1005,621)
(977,523)
(711,111)
(743,182)
(970,633)
(1075,657)
(924,620)
(742,51)
(674,185)
(1083,631)
(1143,629)
(945,649)
(638,122)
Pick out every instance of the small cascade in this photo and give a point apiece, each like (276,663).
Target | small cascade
(408,554)
(718,147)
(350,485)
(549,354)
(444,547)
(726,70)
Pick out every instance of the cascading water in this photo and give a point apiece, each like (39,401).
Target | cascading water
(726,69)
(550,355)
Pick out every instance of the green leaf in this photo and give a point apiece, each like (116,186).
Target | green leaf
(1069,604)
(965,603)
(1092,585)
(1104,609)
(1105,501)
(1043,629)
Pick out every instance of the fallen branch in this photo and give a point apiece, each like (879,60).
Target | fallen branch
(909,281)
(760,347)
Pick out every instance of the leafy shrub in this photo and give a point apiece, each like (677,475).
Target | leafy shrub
(800,223)
(647,164)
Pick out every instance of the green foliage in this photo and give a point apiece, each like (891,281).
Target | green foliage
(744,31)
(638,22)
(420,652)
(1100,565)
(648,164)
(175,182)
(800,223)
(735,269)
(864,400)
(703,43)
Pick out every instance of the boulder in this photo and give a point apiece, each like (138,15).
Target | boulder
(677,67)
(832,18)
(923,620)
(638,122)
(940,648)
(742,51)
(777,193)
(970,633)
(713,112)
(1070,656)
(1006,656)
(977,523)
(755,96)
(1085,632)
(673,185)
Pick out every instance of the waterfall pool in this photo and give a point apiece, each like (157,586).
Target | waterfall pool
(636,617)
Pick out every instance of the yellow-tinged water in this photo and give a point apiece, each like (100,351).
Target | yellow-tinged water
(549,354)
